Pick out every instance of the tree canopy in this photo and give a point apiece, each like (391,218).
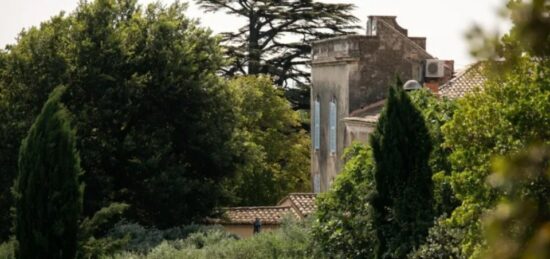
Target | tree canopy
(274,147)
(276,37)
(48,189)
(155,122)
(402,205)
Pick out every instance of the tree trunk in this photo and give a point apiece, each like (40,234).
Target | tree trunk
(254,53)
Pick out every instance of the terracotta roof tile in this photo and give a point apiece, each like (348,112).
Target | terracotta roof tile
(298,205)
(304,203)
(247,215)
(468,80)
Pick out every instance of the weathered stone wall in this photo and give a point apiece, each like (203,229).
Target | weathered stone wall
(357,70)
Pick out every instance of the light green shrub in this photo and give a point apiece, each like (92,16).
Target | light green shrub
(7,250)
(292,240)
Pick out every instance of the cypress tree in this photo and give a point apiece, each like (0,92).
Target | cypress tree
(47,191)
(403,203)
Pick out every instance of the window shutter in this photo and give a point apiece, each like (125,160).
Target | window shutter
(332,127)
(317,125)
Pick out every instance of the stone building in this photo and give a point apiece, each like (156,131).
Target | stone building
(350,80)
(240,220)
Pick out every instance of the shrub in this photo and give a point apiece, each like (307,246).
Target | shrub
(48,193)
(343,225)
(292,240)
(7,250)
(443,242)
(142,239)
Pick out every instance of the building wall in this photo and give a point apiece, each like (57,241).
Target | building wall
(246,230)
(331,82)
(357,70)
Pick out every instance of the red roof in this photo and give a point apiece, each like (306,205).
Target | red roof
(297,205)
(466,81)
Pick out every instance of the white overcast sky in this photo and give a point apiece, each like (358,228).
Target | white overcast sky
(443,22)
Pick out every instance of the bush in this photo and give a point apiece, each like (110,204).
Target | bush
(442,242)
(343,226)
(292,240)
(142,239)
(7,250)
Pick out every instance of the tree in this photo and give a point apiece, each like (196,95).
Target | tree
(437,112)
(344,225)
(274,148)
(155,121)
(506,116)
(520,224)
(401,149)
(48,192)
(276,39)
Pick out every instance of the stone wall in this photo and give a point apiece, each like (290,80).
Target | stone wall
(357,70)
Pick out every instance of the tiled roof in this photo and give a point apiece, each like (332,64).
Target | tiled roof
(298,205)
(466,81)
(247,215)
(303,203)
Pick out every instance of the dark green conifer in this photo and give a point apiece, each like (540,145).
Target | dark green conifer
(403,203)
(47,191)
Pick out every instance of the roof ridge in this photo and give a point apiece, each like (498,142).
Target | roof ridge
(405,37)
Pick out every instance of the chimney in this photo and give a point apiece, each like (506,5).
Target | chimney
(433,85)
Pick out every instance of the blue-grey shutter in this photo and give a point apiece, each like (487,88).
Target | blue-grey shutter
(332,127)
(317,125)
(316,183)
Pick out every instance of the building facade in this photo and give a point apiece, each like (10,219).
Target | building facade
(351,76)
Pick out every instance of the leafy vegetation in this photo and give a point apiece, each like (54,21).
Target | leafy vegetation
(344,223)
(402,205)
(436,112)
(276,38)
(505,117)
(164,139)
(291,241)
(274,147)
(48,189)
(520,224)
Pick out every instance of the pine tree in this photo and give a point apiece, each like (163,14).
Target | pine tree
(47,191)
(403,203)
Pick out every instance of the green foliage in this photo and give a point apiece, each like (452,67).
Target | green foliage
(291,241)
(47,191)
(436,112)
(257,46)
(274,148)
(519,227)
(276,38)
(92,243)
(344,225)
(442,242)
(402,205)
(7,249)
(155,121)
(141,239)
(508,114)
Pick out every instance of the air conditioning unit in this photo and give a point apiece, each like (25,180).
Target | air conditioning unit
(435,68)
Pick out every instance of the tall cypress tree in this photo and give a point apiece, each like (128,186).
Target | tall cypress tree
(47,191)
(401,149)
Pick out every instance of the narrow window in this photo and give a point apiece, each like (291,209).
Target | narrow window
(316,183)
(317,124)
(332,126)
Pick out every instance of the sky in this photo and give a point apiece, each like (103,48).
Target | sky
(443,22)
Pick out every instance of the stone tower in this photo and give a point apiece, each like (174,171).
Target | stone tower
(350,80)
